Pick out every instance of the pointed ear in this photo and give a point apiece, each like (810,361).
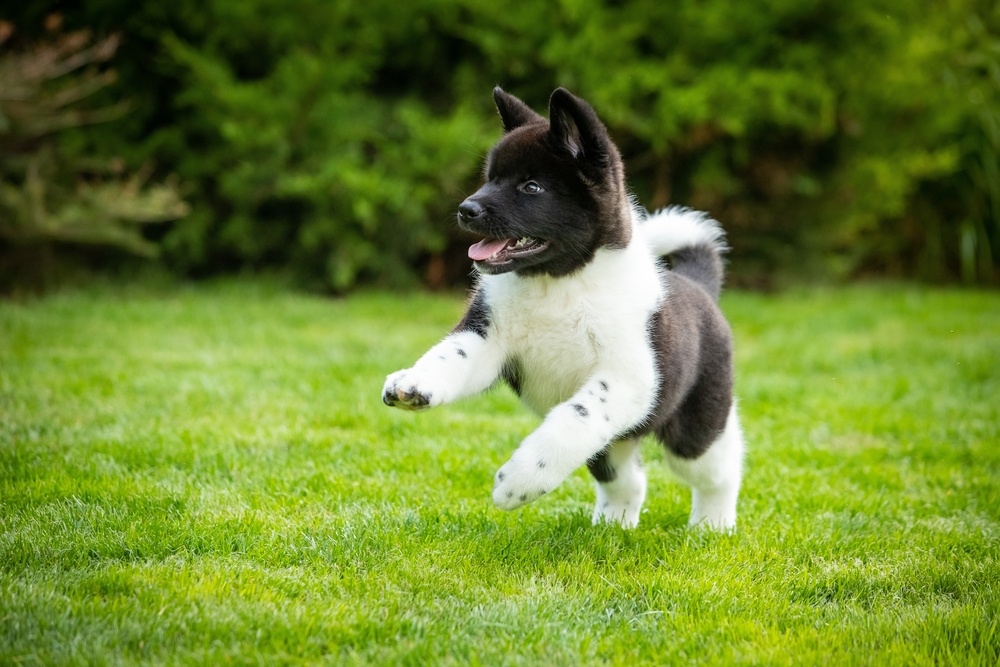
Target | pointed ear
(574,126)
(513,112)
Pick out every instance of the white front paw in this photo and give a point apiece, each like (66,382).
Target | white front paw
(526,477)
(411,390)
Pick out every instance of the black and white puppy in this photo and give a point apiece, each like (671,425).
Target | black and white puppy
(576,309)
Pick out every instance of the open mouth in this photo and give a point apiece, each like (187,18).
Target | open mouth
(495,252)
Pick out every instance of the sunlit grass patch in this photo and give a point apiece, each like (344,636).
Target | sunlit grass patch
(207,475)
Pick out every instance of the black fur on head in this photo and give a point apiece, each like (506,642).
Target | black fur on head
(554,192)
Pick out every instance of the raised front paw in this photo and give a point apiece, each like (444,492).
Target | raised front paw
(404,389)
(523,479)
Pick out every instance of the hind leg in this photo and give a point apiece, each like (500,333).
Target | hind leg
(621,483)
(714,477)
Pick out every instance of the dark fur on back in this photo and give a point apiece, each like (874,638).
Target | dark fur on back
(694,353)
(702,264)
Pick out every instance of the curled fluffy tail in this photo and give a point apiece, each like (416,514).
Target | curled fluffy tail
(692,240)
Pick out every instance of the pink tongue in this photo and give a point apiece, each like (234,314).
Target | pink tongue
(486,248)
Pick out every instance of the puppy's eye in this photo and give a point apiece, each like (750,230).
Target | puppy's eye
(530,188)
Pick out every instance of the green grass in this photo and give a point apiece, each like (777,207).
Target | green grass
(207,476)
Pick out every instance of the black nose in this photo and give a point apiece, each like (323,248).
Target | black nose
(470,209)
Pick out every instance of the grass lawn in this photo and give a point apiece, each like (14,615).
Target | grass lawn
(207,475)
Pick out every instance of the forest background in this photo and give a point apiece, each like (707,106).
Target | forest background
(332,141)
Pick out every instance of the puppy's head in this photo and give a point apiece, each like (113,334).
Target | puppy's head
(554,191)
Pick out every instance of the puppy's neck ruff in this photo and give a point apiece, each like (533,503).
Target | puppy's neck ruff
(611,274)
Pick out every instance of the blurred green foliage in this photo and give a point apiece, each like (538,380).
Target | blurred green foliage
(832,138)
(49,196)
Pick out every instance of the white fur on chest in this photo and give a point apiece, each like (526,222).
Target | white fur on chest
(559,331)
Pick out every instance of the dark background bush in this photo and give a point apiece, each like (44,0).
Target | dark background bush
(332,139)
